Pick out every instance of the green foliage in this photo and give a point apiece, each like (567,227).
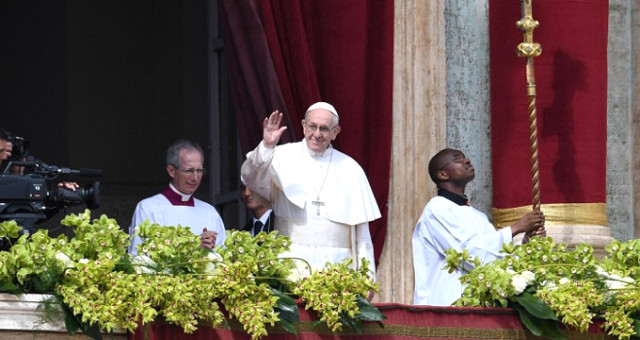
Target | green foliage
(333,292)
(546,282)
(103,288)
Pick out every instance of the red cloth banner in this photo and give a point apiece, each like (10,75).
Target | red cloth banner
(404,323)
(571,84)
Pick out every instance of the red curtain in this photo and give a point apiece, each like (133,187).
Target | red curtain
(286,55)
(571,80)
(403,323)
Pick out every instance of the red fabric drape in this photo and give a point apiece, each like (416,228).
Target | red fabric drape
(403,323)
(331,50)
(255,90)
(571,80)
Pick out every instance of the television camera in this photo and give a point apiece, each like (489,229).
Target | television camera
(38,192)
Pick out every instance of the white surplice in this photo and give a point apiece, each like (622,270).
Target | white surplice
(443,225)
(323,202)
(158,209)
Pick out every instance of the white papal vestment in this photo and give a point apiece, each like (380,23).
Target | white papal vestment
(323,202)
(444,224)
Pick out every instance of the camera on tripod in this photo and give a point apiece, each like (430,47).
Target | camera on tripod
(38,192)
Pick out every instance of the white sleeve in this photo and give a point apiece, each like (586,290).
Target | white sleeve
(222,232)
(139,216)
(364,247)
(256,170)
(478,237)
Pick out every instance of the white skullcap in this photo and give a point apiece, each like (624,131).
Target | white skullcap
(324,106)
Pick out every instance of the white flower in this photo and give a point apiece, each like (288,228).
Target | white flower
(214,260)
(519,283)
(64,260)
(298,273)
(84,261)
(529,276)
(549,285)
(564,281)
(616,282)
(143,264)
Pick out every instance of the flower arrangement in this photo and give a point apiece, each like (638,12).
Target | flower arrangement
(549,284)
(101,287)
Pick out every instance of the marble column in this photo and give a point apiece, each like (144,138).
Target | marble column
(419,130)
(635,126)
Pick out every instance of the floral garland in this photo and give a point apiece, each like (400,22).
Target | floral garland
(548,283)
(102,288)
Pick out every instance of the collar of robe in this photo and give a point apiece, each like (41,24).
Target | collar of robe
(177,198)
(455,198)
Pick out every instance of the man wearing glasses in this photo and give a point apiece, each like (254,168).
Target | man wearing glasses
(176,204)
(320,196)
(448,221)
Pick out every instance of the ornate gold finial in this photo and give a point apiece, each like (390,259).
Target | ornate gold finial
(528,48)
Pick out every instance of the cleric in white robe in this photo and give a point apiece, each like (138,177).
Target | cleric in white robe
(320,196)
(175,205)
(448,221)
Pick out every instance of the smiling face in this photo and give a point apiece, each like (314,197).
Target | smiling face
(319,129)
(190,159)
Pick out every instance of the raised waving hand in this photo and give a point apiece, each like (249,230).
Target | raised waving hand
(271,129)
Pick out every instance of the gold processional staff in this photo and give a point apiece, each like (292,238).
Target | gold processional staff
(529,49)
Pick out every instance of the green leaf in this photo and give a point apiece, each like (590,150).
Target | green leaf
(9,287)
(368,312)
(70,320)
(539,327)
(288,326)
(535,306)
(636,327)
(288,312)
(352,323)
(93,331)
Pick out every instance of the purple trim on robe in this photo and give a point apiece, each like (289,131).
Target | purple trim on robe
(176,199)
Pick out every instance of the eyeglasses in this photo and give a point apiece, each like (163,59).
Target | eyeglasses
(190,172)
(323,129)
(456,159)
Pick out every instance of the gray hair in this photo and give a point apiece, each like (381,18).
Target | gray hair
(173,152)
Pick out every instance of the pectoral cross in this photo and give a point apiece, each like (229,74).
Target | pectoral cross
(318,203)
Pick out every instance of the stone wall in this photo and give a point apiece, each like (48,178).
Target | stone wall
(26,316)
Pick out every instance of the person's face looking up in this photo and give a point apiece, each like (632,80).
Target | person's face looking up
(186,178)
(458,167)
(319,129)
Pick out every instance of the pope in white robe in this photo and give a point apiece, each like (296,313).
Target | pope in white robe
(321,197)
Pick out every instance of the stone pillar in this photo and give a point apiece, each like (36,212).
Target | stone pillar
(635,124)
(468,110)
(622,124)
(419,130)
